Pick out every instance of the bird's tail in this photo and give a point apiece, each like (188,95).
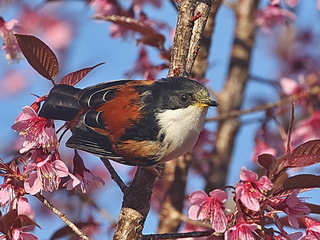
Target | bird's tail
(61,104)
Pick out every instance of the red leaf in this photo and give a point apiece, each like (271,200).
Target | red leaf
(305,155)
(150,36)
(267,161)
(313,207)
(302,181)
(8,220)
(39,55)
(75,77)
(24,221)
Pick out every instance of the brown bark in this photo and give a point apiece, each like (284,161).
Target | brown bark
(231,96)
(136,205)
(175,175)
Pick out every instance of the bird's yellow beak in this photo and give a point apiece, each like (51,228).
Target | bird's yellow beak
(208,103)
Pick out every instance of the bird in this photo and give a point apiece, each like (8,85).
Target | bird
(133,122)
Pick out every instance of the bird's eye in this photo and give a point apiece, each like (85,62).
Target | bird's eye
(184,98)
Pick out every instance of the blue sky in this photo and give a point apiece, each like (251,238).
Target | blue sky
(93,45)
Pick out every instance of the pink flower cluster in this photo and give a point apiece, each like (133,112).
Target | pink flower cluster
(42,169)
(253,209)
(10,45)
(209,207)
(272,15)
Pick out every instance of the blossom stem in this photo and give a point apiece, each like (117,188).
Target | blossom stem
(62,216)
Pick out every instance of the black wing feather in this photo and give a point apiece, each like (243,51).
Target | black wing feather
(85,139)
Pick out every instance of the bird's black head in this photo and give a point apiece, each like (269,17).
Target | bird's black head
(178,92)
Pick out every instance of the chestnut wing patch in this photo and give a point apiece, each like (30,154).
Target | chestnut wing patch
(122,112)
(143,153)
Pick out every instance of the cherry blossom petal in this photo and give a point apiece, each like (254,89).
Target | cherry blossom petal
(198,197)
(246,175)
(32,185)
(61,168)
(72,182)
(219,195)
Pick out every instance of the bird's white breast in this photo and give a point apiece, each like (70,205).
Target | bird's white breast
(180,128)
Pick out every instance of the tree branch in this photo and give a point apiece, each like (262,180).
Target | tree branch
(62,216)
(236,113)
(179,235)
(201,62)
(181,43)
(202,10)
(136,205)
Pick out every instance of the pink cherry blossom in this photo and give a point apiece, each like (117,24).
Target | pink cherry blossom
(19,234)
(138,4)
(273,15)
(8,193)
(274,2)
(24,208)
(82,177)
(293,206)
(57,32)
(307,129)
(291,236)
(13,82)
(6,2)
(10,44)
(45,175)
(290,86)
(38,132)
(209,207)
(105,7)
(144,66)
(250,191)
(292,3)
(241,230)
(312,229)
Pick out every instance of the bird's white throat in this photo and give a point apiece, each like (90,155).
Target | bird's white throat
(180,128)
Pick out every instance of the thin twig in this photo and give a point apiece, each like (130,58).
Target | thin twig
(274,82)
(173,3)
(114,174)
(178,235)
(237,113)
(62,216)
(290,129)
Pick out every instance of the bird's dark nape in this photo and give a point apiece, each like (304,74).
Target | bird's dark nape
(61,103)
